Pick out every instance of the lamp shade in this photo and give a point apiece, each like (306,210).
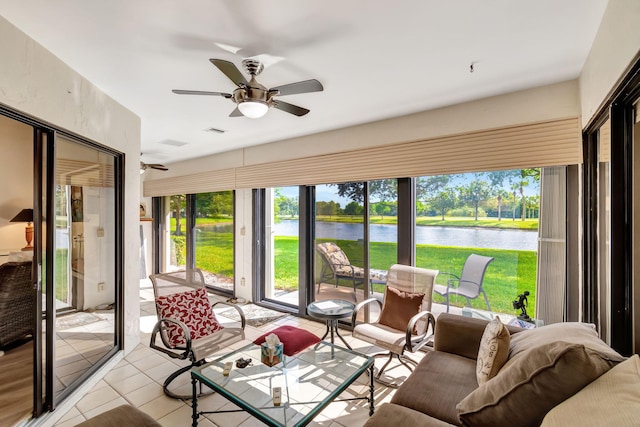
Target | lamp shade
(25,215)
(253,109)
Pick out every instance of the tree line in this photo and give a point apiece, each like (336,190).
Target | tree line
(498,194)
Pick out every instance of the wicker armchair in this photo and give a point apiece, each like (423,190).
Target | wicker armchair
(17,302)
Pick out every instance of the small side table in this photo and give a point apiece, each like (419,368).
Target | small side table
(331,311)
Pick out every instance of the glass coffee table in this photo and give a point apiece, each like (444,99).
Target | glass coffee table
(309,381)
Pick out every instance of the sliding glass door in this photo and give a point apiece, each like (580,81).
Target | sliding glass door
(84,292)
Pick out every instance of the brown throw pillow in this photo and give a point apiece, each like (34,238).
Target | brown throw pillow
(493,352)
(525,390)
(399,307)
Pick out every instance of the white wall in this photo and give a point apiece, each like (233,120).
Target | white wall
(555,101)
(35,82)
(16,176)
(616,44)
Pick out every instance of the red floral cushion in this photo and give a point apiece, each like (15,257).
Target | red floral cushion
(294,339)
(191,308)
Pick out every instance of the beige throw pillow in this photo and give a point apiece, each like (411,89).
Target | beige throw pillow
(493,352)
(611,400)
(527,388)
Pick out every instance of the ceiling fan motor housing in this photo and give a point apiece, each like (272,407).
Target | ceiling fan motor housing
(254,92)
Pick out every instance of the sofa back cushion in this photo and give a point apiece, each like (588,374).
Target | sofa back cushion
(530,385)
(461,335)
(571,332)
(618,391)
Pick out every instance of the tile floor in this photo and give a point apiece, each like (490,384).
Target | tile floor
(137,380)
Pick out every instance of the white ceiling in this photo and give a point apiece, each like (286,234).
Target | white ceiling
(376,59)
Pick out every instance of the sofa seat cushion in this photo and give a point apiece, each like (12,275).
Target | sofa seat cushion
(438,383)
(618,391)
(527,387)
(390,414)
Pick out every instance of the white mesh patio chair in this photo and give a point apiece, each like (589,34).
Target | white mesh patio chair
(469,283)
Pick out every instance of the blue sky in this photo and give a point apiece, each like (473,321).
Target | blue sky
(327,193)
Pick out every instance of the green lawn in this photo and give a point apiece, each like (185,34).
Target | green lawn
(511,273)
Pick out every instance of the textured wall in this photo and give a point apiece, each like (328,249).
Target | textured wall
(35,82)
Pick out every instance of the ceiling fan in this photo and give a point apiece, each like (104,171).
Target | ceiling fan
(253,99)
(144,166)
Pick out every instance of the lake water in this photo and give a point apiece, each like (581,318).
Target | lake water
(445,236)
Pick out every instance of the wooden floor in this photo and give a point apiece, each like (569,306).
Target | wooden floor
(16,384)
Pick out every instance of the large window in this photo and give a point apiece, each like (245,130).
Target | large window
(493,214)
(198,231)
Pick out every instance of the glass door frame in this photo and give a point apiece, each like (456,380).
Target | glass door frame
(44,137)
(618,108)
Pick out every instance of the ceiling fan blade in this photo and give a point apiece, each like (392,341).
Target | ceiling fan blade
(200,92)
(157,166)
(300,87)
(230,70)
(236,113)
(290,108)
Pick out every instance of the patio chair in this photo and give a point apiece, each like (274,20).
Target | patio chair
(17,302)
(405,323)
(187,325)
(469,284)
(336,265)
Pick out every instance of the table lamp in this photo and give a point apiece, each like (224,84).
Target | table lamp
(26,215)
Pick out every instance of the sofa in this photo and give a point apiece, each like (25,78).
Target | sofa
(555,375)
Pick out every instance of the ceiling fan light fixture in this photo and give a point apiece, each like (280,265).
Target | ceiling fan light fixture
(253,109)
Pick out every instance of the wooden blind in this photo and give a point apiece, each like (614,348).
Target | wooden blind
(220,180)
(549,143)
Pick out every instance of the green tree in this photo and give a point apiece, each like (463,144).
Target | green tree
(475,192)
(443,201)
(178,203)
(352,209)
(426,186)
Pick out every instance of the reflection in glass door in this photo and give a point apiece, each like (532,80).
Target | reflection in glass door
(84,262)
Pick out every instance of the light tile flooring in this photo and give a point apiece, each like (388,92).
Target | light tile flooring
(138,378)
